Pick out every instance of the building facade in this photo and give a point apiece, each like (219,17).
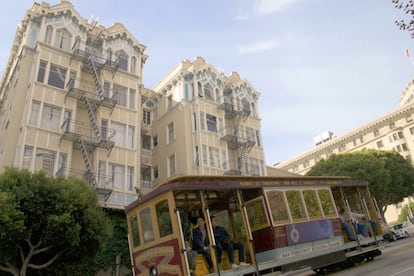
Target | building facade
(200,122)
(70,101)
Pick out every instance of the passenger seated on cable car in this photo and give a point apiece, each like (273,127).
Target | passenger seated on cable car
(346,226)
(201,242)
(225,241)
(362,223)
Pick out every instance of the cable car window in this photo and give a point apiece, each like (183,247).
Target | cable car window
(134,230)
(257,214)
(147,225)
(312,204)
(328,205)
(297,210)
(278,206)
(163,218)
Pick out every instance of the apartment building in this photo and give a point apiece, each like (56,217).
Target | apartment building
(392,131)
(69,101)
(199,121)
(72,102)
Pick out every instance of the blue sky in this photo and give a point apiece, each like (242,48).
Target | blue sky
(319,65)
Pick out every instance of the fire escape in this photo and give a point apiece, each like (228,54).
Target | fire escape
(87,136)
(235,136)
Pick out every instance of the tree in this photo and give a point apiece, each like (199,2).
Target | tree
(408,8)
(391,177)
(406,214)
(47,221)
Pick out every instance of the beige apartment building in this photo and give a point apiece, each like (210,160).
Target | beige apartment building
(72,101)
(197,121)
(391,131)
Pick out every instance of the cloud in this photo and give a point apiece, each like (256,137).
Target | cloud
(262,7)
(258,46)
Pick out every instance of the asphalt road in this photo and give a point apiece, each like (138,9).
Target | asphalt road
(397,259)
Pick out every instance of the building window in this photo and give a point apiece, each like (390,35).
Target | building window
(376,132)
(63,38)
(45,160)
(211,123)
(411,130)
(154,141)
(130,176)
(122,60)
(120,94)
(196,156)
(34,114)
(194,126)
(204,148)
(117,174)
(155,171)
(102,177)
(404,146)
(27,157)
(223,159)
(380,144)
(131,137)
(48,35)
(214,157)
(400,134)
(124,135)
(120,133)
(106,89)
(132,94)
(133,65)
(51,117)
(57,76)
(171,165)
(170,132)
(146,117)
(392,125)
(42,71)
(202,116)
(208,92)
(258,143)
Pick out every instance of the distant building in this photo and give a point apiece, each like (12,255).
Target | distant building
(391,131)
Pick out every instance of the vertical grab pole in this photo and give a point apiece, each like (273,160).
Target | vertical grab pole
(249,230)
(184,250)
(210,230)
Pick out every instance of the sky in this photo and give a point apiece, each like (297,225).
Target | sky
(319,65)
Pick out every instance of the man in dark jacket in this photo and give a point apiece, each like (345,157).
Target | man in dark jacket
(225,241)
(201,242)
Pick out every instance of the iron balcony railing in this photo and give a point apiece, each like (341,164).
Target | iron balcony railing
(73,130)
(78,88)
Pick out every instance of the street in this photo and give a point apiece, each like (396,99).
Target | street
(396,260)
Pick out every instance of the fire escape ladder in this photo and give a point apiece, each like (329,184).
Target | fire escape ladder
(88,162)
(92,116)
(96,78)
